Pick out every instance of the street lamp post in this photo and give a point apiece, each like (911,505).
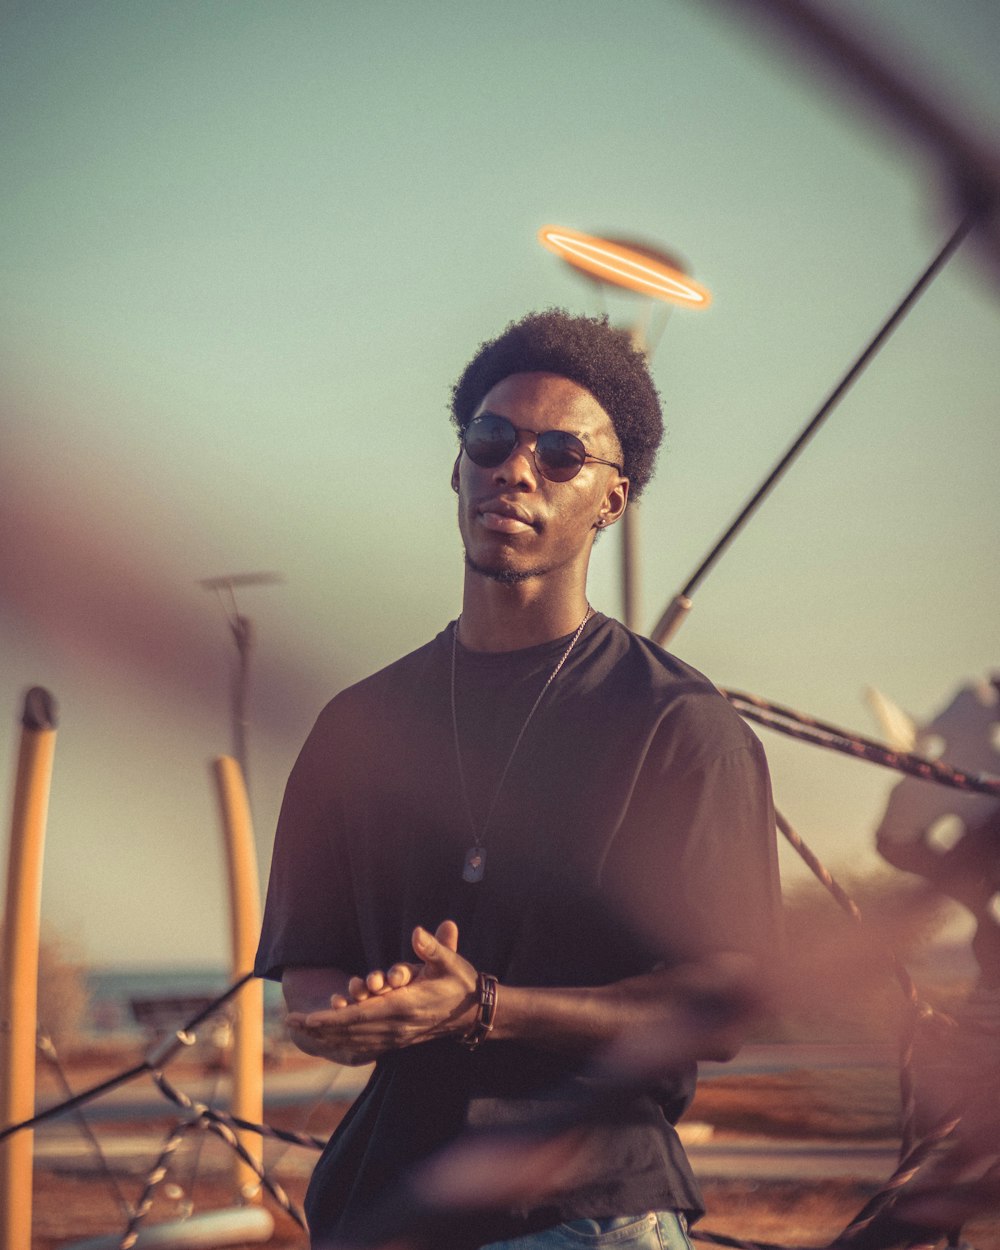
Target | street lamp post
(241,628)
(658,276)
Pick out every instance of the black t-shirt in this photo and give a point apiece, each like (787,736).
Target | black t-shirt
(634,828)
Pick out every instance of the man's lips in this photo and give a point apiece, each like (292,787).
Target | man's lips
(503,518)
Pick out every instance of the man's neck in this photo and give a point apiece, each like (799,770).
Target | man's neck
(498,617)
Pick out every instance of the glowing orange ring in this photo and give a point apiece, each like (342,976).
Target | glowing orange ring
(623,266)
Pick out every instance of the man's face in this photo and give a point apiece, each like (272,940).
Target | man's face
(516,524)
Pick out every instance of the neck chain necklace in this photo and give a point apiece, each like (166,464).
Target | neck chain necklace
(474,868)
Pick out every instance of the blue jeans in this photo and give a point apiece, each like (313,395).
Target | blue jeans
(657,1230)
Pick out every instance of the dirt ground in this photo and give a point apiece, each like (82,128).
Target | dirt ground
(72,1202)
(69,1207)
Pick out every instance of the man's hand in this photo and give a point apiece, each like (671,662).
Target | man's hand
(412,1003)
(379,982)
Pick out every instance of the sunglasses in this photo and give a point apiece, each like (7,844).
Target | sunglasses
(488,441)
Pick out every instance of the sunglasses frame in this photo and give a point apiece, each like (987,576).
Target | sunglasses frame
(537,435)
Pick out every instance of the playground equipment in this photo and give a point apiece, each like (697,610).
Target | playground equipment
(18,1005)
(244,911)
(19,974)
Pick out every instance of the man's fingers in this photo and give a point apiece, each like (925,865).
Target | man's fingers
(433,951)
(375,981)
(357,989)
(443,942)
(424,946)
(399,975)
(447,934)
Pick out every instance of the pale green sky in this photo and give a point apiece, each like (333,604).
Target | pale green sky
(247,249)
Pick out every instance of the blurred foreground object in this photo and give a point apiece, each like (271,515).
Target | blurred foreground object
(958,1180)
(862,73)
(951,838)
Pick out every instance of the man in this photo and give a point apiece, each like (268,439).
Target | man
(532,839)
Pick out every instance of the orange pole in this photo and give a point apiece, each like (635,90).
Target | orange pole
(244,911)
(19,975)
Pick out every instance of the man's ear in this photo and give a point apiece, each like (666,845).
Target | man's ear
(614,503)
(454,473)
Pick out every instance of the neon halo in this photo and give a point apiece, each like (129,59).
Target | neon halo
(614,262)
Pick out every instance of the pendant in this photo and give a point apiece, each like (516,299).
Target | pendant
(475,864)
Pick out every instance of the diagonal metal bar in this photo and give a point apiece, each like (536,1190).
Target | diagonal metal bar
(158,1056)
(676,610)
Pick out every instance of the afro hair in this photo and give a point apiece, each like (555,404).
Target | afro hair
(591,353)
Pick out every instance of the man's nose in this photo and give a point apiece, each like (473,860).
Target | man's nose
(519,467)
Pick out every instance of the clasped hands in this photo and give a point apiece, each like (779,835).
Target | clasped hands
(388,1010)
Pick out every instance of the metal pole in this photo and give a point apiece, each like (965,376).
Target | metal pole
(672,619)
(631,586)
(630,567)
(242,628)
(19,975)
(244,912)
(678,608)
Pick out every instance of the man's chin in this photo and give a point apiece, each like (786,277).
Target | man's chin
(503,574)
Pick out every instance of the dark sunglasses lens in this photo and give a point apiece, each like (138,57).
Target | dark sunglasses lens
(559,455)
(488,441)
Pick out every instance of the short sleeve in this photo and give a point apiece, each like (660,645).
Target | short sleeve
(694,868)
(310,917)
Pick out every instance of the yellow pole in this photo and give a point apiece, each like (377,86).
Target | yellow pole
(19,975)
(244,911)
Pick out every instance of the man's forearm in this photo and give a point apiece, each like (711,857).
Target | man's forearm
(697,1010)
(712,1002)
